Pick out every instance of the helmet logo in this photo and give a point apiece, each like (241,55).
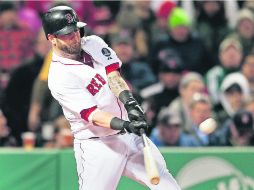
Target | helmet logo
(69,18)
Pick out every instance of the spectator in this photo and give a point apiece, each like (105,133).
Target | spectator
(212,24)
(5,137)
(200,110)
(161,94)
(230,56)
(190,84)
(84,9)
(30,18)
(16,43)
(102,21)
(168,131)
(233,94)
(248,70)
(128,20)
(136,72)
(189,47)
(245,31)
(147,17)
(18,92)
(239,131)
(159,30)
(62,137)
(43,106)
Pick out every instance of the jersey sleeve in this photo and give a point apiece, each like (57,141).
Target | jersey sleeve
(78,102)
(101,53)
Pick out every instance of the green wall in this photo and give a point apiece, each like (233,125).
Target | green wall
(194,169)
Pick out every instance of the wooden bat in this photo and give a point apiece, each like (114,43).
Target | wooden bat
(150,165)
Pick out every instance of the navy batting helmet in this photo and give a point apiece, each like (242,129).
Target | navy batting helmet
(61,20)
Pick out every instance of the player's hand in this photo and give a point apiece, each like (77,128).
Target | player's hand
(135,126)
(135,112)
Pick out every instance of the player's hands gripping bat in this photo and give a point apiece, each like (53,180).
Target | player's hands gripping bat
(136,126)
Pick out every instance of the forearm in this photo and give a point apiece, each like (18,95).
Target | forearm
(119,87)
(117,83)
(102,118)
(108,120)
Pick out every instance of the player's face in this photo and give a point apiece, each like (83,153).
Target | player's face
(69,43)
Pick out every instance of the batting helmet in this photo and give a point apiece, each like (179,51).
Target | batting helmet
(61,20)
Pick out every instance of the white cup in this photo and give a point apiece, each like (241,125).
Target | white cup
(28,139)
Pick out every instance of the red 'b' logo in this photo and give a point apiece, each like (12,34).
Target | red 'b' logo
(69,18)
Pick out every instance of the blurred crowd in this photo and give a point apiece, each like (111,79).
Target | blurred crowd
(185,61)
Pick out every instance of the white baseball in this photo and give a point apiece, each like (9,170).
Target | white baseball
(208,126)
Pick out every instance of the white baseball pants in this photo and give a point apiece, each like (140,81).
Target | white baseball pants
(101,163)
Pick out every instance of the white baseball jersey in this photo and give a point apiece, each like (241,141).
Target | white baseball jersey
(82,86)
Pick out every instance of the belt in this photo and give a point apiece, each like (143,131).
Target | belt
(122,132)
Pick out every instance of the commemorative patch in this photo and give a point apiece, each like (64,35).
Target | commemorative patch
(106,53)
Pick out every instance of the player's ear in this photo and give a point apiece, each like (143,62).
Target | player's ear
(52,39)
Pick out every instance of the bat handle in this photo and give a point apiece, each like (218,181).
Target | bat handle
(143,134)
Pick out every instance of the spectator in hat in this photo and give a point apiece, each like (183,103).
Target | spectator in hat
(190,84)
(162,93)
(136,72)
(190,48)
(234,92)
(168,131)
(248,70)
(16,41)
(242,132)
(160,28)
(230,57)
(244,31)
(239,131)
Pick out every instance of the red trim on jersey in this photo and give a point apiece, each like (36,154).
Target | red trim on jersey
(86,112)
(112,67)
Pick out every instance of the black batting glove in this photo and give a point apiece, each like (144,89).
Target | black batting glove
(134,110)
(135,126)
(132,127)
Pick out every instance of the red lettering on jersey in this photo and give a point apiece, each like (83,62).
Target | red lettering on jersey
(99,77)
(91,88)
(95,84)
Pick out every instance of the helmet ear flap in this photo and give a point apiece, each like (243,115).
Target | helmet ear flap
(82,32)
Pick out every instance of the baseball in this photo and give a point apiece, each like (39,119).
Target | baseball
(208,126)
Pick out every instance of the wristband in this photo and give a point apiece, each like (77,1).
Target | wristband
(125,96)
(118,124)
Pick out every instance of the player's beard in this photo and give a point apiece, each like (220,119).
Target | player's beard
(72,49)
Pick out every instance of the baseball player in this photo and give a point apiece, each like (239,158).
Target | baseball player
(105,119)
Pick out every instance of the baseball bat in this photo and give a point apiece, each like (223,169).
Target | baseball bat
(150,165)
